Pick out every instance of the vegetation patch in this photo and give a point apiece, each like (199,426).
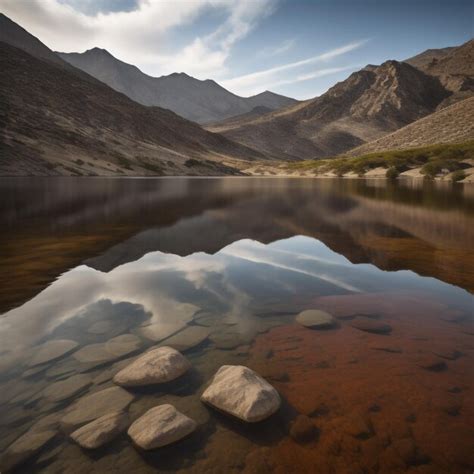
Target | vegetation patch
(432,159)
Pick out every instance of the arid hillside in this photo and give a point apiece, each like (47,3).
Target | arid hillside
(453,124)
(53,121)
(369,104)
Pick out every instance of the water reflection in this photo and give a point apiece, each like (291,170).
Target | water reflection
(131,264)
(52,225)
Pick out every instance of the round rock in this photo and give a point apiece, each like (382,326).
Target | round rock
(160,426)
(302,429)
(51,350)
(101,431)
(316,319)
(156,366)
(241,392)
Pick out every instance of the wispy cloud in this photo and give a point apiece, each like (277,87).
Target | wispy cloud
(280,49)
(140,34)
(311,75)
(249,81)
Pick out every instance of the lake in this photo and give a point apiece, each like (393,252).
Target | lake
(105,264)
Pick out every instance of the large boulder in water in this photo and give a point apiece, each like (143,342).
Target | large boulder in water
(157,366)
(241,392)
(160,426)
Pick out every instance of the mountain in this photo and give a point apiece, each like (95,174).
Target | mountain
(367,105)
(423,60)
(453,124)
(200,101)
(453,66)
(15,35)
(53,121)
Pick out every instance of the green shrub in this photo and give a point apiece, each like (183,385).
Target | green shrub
(124,162)
(191,162)
(458,175)
(392,173)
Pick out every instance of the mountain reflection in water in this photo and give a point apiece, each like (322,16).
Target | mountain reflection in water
(93,260)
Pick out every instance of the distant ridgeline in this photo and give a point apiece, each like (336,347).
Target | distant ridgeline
(69,114)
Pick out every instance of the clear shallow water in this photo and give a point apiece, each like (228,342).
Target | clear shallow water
(90,260)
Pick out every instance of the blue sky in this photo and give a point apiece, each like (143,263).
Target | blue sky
(298,48)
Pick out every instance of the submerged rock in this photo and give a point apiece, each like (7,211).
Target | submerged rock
(65,389)
(226,340)
(25,447)
(303,429)
(101,431)
(51,350)
(316,319)
(112,349)
(159,331)
(371,325)
(94,406)
(188,338)
(432,364)
(160,426)
(157,366)
(101,327)
(241,392)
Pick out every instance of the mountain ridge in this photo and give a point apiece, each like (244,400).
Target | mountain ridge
(87,128)
(199,100)
(368,104)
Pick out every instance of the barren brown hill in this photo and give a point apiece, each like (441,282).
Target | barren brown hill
(369,104)
(52,121)
(453,124)
(453,66)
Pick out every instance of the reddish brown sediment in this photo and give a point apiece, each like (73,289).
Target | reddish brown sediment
(377,408)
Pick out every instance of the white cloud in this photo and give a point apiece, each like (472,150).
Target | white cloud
(140,36)
(280,49)
(312,75)
(248,82)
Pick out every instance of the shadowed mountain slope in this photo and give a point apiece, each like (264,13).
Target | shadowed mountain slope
(369,104)
(52,121)
(15,35)
(200,101)
(453,66)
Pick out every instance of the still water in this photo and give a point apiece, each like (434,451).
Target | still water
(107,263)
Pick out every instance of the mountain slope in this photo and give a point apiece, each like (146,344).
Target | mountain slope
(370,103)
(453,124)
(15,35)
(453,66)
(200,101)
(52,121)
